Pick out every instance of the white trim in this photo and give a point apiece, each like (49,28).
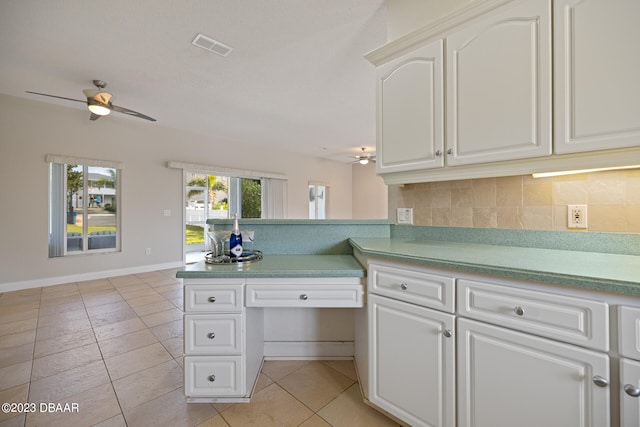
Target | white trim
(218,170)
(326,184)
(50,281)
(308,349)
(553,163)
(71,160)
(432,31)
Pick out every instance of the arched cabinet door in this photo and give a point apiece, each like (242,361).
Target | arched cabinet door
(498,86)
(596,62)
(410,111)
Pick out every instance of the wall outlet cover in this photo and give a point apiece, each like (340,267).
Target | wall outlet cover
(405,215)
(576,216)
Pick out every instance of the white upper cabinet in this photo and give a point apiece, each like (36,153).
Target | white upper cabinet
(596,63)
(410,111)
(498,84)
(528,86)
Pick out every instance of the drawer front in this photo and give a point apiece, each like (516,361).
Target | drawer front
(414,286)
(200,298)
(213,376)
(629,331)
(573,320)
(308,295)
(213,334)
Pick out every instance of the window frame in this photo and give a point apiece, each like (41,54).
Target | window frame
(57,204)
(314,185)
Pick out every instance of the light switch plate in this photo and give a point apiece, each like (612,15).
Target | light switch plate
(405,215)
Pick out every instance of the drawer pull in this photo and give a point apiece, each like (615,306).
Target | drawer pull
(304,297)
(600,381)
(518,310)
(404,286)
(211,378)
(631,390)
(447,333)
(211,335)
(212,299)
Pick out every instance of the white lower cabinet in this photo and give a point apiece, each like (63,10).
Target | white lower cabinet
(214,376)
(213,333)
(447,348)
(224,328)
(508,378)
(629,393)
(411,347)
(412,353)
(629,348)
(223,341)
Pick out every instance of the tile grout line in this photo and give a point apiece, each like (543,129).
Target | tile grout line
(33,354)
(103,362)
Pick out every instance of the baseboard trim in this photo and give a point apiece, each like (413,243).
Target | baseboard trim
(308,350)
(59,280)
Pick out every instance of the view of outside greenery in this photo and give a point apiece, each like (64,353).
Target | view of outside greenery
(251,198)
(95,209)
(208,197)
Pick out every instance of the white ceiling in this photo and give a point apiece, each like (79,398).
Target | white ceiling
(296,78)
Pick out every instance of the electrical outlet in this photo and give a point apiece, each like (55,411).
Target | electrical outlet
(147,251)
(405,215)
(577,216)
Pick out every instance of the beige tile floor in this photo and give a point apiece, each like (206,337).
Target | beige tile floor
(113,347)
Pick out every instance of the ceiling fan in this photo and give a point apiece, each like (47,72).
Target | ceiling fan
(99,102)
(365,157)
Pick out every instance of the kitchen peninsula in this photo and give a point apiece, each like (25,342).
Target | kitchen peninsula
(297,302)
(551,303)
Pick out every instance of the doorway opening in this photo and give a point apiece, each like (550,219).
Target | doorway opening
(210,196)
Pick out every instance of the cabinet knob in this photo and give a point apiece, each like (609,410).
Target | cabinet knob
(518,310)
(211,378)
(632,390)
(211,335)
(212,299)
(438,153)
(450,151)
(447,333)
(304,297)
(404,286)
(600,381)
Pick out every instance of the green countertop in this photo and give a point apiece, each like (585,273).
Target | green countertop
(588,270)
(280,266)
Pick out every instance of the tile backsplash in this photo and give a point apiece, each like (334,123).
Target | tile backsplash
(524,202)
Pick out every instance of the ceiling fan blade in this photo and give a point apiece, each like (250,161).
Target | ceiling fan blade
(131,113)
(90,93)
(94,117)
(55,96)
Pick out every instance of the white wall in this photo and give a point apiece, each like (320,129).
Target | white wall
(29,130)
(406,16)
(370,195)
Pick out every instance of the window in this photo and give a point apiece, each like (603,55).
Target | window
(213,196)
(83,206)
(318,200)
(219,192)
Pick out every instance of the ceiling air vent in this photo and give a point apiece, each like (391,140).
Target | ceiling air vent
(207,43)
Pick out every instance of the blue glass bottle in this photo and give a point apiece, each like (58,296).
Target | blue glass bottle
(235,240)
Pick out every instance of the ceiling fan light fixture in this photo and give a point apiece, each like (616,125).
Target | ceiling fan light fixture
(98,108)
(364,161)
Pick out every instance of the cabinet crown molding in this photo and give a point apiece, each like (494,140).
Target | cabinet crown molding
(432,31)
